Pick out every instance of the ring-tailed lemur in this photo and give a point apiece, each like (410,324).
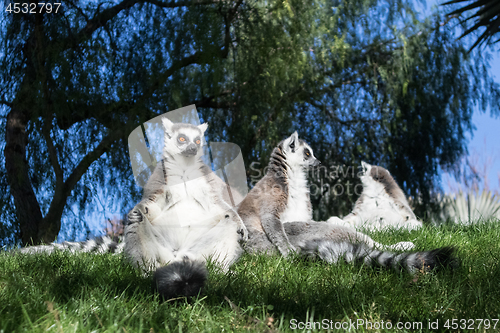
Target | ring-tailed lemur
(282,196)
(182,220)
(382,203)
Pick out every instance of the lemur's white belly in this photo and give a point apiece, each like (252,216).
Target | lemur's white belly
(297,208)
(189,214)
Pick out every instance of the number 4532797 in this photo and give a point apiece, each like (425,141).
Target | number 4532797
(32,8)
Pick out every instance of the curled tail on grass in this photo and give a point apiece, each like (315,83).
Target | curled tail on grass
(103,244)
(333,252)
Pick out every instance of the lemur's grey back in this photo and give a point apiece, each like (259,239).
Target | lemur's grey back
(263,205)
(383,176)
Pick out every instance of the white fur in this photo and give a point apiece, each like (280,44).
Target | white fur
(297,208)
(378,210)
(401,246)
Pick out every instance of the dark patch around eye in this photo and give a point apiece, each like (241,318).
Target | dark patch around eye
(182,139)
(307,153)
(197,140)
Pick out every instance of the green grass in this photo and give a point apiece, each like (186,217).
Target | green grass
(102,293)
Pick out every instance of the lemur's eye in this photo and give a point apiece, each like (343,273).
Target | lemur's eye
(182,139)
(307,152)
(198,141)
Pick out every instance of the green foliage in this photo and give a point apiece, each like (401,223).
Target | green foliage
(467,208)
(360,80)
(81,293)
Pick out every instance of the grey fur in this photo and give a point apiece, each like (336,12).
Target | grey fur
(333,243)
(263,208)
(333,252)
(270,233)
(103,244)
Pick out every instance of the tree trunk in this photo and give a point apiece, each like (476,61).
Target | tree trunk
(28,210)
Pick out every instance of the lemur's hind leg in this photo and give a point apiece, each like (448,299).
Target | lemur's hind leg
(145,247)
(217,243)
(299,233)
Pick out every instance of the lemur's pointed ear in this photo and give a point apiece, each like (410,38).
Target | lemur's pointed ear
(292,141)
(366,167)
(203,127)
(167,124)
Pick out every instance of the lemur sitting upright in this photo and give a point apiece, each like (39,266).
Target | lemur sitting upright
(182,219)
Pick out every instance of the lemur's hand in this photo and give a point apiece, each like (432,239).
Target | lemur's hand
(135,215)
(242,233)
(233,217)
(147,208)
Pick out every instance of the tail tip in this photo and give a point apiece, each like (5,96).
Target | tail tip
(444,257)
(183,278)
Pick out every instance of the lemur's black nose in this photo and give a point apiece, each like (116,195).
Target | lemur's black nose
(191,150)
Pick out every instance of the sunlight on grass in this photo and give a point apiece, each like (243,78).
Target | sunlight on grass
(102,293)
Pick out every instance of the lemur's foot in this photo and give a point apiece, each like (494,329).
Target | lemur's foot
(148,209)
(288,251)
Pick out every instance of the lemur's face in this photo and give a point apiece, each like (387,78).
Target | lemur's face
(183,139)
(298,152)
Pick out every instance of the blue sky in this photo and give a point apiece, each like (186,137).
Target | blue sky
(484,143)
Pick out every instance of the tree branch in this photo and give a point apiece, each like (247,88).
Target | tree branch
(336,119)
(108,116)
(200,58)
(52,153)
(85,163)
(214,105)
(9,104)
(174,4)
(100,19)
(51,223)
(208,102)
